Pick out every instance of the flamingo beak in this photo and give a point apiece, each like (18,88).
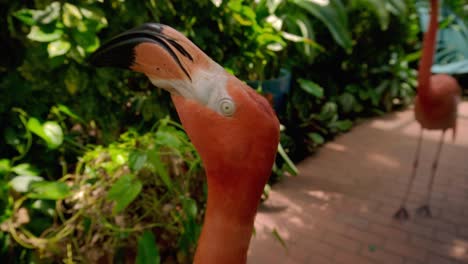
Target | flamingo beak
(154,49)
(170,60)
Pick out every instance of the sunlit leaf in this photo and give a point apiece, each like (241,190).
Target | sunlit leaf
(124,191)
(49,190)
(217,3)
(58,47)
(71,15)
(54,134)
(148,252)
(46,207)
(33,17)
(38,34)
(25,169)
(50,131)
(22,183)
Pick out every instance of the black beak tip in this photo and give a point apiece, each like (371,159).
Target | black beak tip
(119,52)
(118,55)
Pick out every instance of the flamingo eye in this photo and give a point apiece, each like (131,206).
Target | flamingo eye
(227,107)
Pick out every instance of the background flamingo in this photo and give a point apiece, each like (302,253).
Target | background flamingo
(234,129)
(435,108)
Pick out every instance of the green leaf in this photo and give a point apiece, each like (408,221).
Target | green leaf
(25,16)
(25,169)
(217,3)
(35,127)
(190,207)
(124,191)
(58,47)
(72,80)
(44,206)
(33,17)
(54,134)
(40,35)
(64,109)
(168,138)
(286,158)
(333,14)
(50,131)
(342,125)
(5,167)
(347,101)
(148,252)
(71,16)
(160,168)
(311,87)
(88,42)
(328,111)
(22,183)
(49,190)
(137,160)
(316,138)
(278,237)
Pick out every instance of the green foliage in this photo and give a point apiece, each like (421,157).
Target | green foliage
(148,252)
(115,195)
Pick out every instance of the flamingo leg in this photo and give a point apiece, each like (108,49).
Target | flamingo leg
(425,209)
(402,213)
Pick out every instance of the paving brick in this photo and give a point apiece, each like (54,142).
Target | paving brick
(388,232)
(342,242)
(463,232)
(357,182)
(343,257)
(406,250)
(353,220)
(316,259)
(334,227)
(446,237)
(381,256)
(436,259)
(316,247)
(415,229)
(367,238)
(455,250)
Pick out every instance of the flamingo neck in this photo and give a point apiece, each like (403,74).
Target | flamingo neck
(429,44)
(229,218)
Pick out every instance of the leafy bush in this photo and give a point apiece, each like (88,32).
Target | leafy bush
(151,182)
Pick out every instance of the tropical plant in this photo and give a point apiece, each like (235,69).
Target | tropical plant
(451,55)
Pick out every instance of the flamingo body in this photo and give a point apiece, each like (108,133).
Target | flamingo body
(439,111)
(435,108)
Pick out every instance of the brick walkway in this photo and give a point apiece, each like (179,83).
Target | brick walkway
(339,209)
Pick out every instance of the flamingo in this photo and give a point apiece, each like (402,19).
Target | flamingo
(234,129)
(436,106)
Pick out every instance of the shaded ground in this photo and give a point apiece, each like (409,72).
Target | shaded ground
(339,209)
